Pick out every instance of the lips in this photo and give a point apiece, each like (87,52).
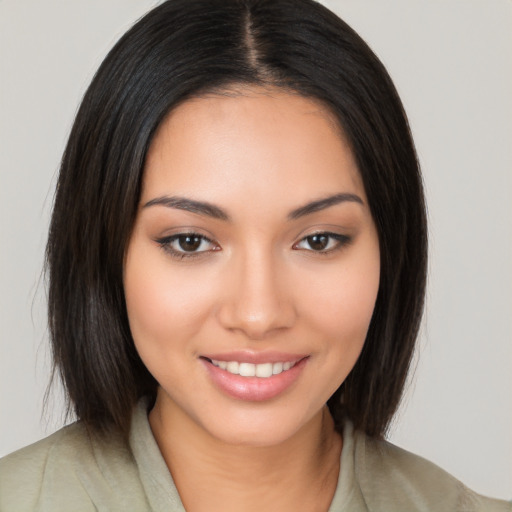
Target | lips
(254,377)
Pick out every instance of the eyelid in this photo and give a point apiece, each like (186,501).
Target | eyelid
(341,241)
(166,241)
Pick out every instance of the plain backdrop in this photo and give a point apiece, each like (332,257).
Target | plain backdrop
(451,62)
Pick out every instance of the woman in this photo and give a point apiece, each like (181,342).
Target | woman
(237,261)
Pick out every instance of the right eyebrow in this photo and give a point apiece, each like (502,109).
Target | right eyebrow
(189,205)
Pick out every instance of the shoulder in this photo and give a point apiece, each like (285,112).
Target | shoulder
(389,474)
(23,472)
(80,470)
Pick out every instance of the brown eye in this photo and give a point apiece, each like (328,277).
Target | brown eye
(318,242)
(189,243)
(322,242)
(185,245)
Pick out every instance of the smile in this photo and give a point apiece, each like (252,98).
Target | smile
(265,377)
(263,370)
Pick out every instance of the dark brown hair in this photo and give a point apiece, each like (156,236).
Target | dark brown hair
(182,49)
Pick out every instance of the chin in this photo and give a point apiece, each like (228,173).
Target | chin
(258,428)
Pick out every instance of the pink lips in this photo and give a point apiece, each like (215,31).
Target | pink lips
(254,388)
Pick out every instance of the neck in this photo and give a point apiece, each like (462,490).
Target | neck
(300,473)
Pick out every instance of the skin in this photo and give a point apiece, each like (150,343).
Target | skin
(257,285)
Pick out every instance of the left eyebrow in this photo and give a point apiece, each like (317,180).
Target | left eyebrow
(322,204)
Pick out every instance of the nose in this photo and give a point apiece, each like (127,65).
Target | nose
(257,297)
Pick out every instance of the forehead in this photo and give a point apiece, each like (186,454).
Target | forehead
(258,143)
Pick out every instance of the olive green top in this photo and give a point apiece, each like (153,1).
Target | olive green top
(71,471)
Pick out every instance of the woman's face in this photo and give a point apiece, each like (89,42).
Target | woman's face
(253,267)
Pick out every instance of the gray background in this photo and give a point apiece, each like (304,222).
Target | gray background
(451,61)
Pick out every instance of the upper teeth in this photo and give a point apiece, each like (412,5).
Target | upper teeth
(253,370)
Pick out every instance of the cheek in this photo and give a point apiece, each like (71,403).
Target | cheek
(342,304)
(162,305)
(339,307)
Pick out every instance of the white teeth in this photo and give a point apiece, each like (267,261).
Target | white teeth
(263,370)
(247,370)
(232,367)
(277,368)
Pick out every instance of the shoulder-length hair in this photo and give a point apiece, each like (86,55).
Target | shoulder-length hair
(183,49)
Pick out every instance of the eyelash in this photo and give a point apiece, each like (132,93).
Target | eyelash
(340,242)
(166,244)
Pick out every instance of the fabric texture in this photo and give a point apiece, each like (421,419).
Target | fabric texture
(72,471)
